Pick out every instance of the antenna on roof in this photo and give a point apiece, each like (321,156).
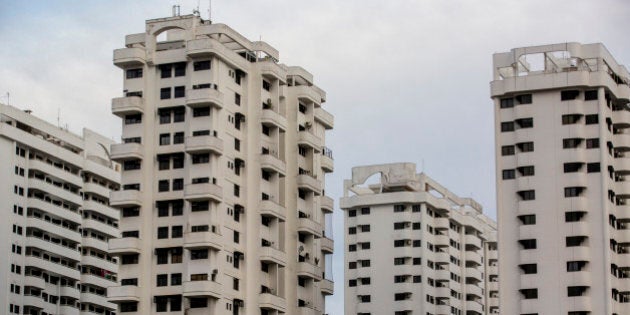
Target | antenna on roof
(210,10)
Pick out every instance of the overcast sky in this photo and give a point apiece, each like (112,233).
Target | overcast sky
(407,80)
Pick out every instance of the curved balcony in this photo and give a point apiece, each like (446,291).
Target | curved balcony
(326,203)
(621,236)
(306,138)
(89,242)
(204,97)
(474,257)
(205,288)
(205,191)
(129,57)
(127,151)
(473,289)
(273,71)
(271,163)
(270,117)
(473,273)
(70,292)
(125,245)
(473,240)
(325,118)
(98,262)
(580,304)
(97,189)
(270,208)
(127,293)
(305,269)
(269,301)
(309,182)
(199,240)
(327,245)
(103,227)
(52,267)
(327,163)
(125,198)
(55,210)
(35,302)
(574,204)
(102,208)
(91,298)
(621,119)
(576,179)
(34,281)
(59,230)
(309,226)
(577,253)
(203,144)
(441,223)
(622,165)
(273,255)
(441,240)
(59,192)
(622,189)
(442,275)
(327,287)
(129,105)
(622,141)
(73,254)
(307,93)
(50,169)
(442,258)
(474,306)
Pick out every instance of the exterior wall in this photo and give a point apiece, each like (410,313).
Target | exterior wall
(263,131)
(412,246)
(598,183)
(58,220)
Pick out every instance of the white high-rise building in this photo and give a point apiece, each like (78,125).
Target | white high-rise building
(222,200)
(414,247)
(53,236)
(562,159)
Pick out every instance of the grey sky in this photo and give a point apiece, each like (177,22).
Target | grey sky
(407,80)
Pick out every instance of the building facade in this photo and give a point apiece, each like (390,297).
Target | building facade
(562,137)
(413,247)
(55,191)
(224,163)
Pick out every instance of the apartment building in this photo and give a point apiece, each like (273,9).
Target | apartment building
(562,142)
(57,223)
(414,247)
(223,202)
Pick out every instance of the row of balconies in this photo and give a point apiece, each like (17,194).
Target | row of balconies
(192,192)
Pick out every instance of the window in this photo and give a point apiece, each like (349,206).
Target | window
(576,291)
(525,146)
(198,302)
(128,307)
(400,279)
(592,143)
(352,265)
(129,259)
(177,231)
(593,167)
(572,167)
(523,99)
(526,170)
(352,230)
(529,269)
(198,254)
(162,232)
(201,158)
(133,119)
(179,114)
(178,138)
(237,190)
(507,102)
(528,243)
(417,279)
(201,111)
(162,280)
(399,261)
(352,248)
(399,208)
(571,143)
(179,91)
(352,213)
(507,150)
(201,65)
(161,303)
(402,296)
(590,95)
(180,69)
(507,126)
(527,219)
(237,144)
(509,174)
(237,99)
(365,227)
(573,191)
(569,95)
(165,93)
(573,216)
(525,123)
(266,85)
(573,266)
(364,298)
(163,185)
(592,119)
(571,119)
(236,237)
(352,283)
(178,184)
(134,73)
(165,139)
(399,225)
(573,241)
(399,243)
(199,206)
(416,226)
(527,194)
(529,293)
(130,281)
(365,211)
(165,71)
(417,261)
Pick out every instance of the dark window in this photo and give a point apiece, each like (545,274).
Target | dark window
(352,213)
(507,102)
(527,194)
(165,116)
(237,99)
(180,91)
(178,184)
(573,191)
(178,161)
(509,174)
(592,119)
(162,232)
(529,293)
(364,298)
(179,114)
(198,254)
(201,65)
(199,206)
(163,185)
(528,244)
(176,279)
(571,143)
(590,95)
(572,167)
(417,261)
(525,122)
(201,158)
(572,241)
(162,280)
(165,71)
(133,119)
(126,307)
(527,219)
(134,73)
(165,93)
(593,167)
(178,138)
(266,85)
(592,143)
(165,139)
(237,144)
(569,95)
(162,208)
(507,150)
(525,146)
(201,111)
(576,291)
(573,266)
(180,69)
(529,269)
(198,302)
(526,170)
(573,216)
(129,259)
(177,231)
(507,126)
(571,119)
(523,99)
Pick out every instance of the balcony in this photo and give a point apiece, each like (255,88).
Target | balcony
(272,70)
(205,288)
(474,257)
(125,198)
(122,106)
(309,270)
(34,281)
(327,245)
(270,117)
(101,208)
(270,301)
(271,163)
(622,141)
(205,191)
(473,273)
(129,57)
(124,245)
(53,189)
(441,240)
(63,270)
(126,151)
(307,93)
(274,255)
(473,240)
(73,254)
(204,97)
(270,208)
(50,169)
(622,189)
(69,291)
(327,204)
(473,289)
(327,163)
(309,226)
(325,118)
(204,144)
(474,306)
(199,240)
(306,138)
(622,164)
(127,293)
(327,287)
(308,182)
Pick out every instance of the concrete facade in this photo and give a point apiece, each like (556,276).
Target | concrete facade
(223,176)
(413,247)
(57,222)
(561,119)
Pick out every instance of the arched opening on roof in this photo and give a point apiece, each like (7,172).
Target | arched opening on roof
(370,185)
